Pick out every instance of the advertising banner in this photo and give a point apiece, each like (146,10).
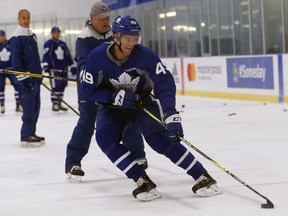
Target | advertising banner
(205,74)
(250,72)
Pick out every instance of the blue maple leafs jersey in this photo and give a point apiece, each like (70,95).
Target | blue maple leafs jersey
(56,55)
(5,56)
(141,73)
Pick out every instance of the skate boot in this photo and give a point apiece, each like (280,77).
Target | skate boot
(55,107)
(75,174)
(206,186)
(42,139)
(142,162)
(2,108)
(146,189)
(62,108)
(18,108)
(30,142)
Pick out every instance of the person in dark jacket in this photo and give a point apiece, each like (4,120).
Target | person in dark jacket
(25,57)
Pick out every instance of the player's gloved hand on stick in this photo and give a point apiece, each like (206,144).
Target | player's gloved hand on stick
(125,99)
(25,82)
(174,126)
(73,70)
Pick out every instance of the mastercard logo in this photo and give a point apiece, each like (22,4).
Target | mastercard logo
(191,72)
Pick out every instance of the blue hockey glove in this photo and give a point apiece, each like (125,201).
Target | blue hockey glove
(125,99)
(174,126)
(25,82)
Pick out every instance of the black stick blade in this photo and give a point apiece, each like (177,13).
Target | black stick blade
(267,205)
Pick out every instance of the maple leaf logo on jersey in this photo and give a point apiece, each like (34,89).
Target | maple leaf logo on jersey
(59,53)
(126,82)
(5,55)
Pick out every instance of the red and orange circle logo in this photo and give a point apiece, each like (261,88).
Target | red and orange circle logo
(191,71)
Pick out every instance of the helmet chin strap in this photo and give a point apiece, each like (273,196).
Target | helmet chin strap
(119,47)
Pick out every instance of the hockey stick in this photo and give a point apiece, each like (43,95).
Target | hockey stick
(268,203)
(59,98)
(40,76)
(60,71)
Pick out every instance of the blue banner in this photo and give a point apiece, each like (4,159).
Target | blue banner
(117,4)
(250,72)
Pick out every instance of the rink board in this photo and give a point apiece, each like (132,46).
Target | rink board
(235,77)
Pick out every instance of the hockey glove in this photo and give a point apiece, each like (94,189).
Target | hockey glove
(73,70)
(174,126)
(46,69)
(25,82)
(125,99)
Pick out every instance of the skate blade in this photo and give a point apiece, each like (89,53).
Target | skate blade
(42,142)
(30,145)
(213,190)
(148,196)
(73,178)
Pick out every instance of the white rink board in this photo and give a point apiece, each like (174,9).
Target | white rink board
(210,74)
(174,66)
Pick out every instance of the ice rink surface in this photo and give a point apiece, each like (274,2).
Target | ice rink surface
(251,142)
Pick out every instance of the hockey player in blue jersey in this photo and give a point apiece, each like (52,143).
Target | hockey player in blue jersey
(25,57)
(97,32)
(5,63)
(123,76)
(56,60)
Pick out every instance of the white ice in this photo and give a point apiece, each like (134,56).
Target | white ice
(252,143)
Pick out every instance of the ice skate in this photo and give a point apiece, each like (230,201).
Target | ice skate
(146,190)
(30,142)
(61,108)
(42,139)
(206,186)
(75,174)
(142,162)
(55,106)
(2,108)
(18,108)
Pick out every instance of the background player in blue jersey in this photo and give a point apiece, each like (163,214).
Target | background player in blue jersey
(56,60)
(5,63)
(25,57)
(97,32)
(123,76)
